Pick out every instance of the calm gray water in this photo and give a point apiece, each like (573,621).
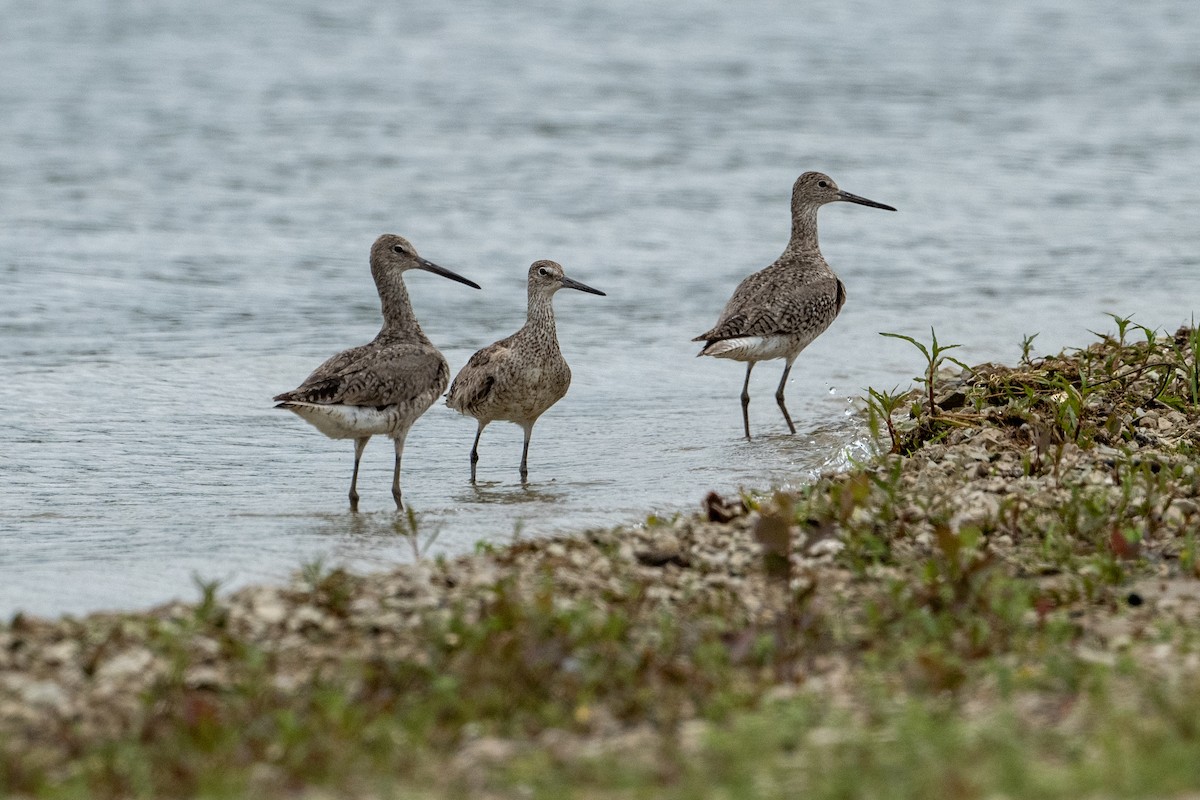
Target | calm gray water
(188,193)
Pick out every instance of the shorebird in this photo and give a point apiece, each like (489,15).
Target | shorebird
(778,311)
(518,378)
(380,388)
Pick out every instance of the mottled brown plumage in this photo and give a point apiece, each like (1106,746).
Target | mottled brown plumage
(519,377)
(780,310)
(380,388)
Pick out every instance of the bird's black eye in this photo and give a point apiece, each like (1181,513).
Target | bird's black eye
(543,271)
(823,184)
(397,249)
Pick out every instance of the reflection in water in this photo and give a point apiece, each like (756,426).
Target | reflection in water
(411,532)
(508,494)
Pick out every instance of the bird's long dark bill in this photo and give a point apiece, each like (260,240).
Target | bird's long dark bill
(583,287)
(429,266)
(862,201)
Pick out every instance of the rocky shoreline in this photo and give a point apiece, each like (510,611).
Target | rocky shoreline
(1052,507)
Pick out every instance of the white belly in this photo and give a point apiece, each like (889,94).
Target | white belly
(756,348)
(352,422)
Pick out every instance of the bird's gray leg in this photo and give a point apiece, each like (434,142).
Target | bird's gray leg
(746,399)
(359,444)
(396,473)
(779,397)
(525,454)
(475,450)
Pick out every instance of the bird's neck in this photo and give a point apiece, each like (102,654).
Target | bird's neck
(803,243)
(541,312)
(398,318)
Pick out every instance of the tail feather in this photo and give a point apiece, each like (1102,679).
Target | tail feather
(754,348)
(720,347)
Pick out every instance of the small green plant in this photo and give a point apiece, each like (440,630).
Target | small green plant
(208,610)
(880,407)
(330,588)
(1151,338)
(1027,348)
(935,356)
(1123,324)
(312,572)
(1188,361)
(1070,405)
(409,526)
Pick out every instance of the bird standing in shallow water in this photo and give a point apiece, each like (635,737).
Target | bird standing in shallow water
(778,311)
(380,388)
(518,378)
